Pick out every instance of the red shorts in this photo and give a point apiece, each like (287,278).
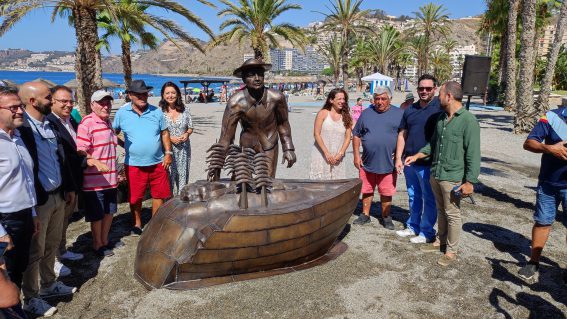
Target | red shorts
(386,182)
(140,176)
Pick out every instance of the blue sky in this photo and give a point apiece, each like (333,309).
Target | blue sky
(36,32)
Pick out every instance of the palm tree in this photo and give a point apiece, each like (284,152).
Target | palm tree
(130,29)
(441,65)
(509,82)
(361,59)
(347,19)
(525,112)
(252,20)
(430,19)
(88,68)
(542,104)
(333,51)
(419,48)
(386,47)
(494,22)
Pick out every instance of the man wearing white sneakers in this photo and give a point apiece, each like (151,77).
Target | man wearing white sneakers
(53,187)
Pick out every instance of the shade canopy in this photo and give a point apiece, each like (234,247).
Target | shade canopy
(106,83)
(49,83)
(377,80)
(377,77)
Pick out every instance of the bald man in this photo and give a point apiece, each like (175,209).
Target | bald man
(53,185)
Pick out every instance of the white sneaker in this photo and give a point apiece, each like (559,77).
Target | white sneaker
(39,307)
(69,255)
(57,289)
(405,232)
(418,240)
(61,270)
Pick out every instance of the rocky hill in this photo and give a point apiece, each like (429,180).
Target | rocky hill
(169,58)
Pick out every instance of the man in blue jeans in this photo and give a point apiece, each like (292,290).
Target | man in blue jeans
(549,137)
(415,131)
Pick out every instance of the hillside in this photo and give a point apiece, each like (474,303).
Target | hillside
(168,58)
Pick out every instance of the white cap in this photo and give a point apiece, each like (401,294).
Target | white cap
(100,95)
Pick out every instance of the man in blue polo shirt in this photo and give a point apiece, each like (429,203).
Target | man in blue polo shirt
(549,137)
(146,140)
(377,129)
(416,130)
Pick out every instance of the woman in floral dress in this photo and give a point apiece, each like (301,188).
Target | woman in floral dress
(180,128)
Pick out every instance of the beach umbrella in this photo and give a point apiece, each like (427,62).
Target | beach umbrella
(105,83)
(49,83)
(196,90)
(8,83)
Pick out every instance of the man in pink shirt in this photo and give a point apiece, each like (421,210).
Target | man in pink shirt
(96,140)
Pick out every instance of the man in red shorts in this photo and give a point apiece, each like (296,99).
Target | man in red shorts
(377,130)
(146,140)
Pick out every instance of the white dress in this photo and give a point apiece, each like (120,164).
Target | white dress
(333,135)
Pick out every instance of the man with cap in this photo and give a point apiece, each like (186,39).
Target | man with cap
(262,114)
(148,150)
(96,141)
(408,101)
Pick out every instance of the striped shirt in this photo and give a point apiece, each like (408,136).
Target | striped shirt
(96,137)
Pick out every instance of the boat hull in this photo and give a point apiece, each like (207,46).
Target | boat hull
(206,242)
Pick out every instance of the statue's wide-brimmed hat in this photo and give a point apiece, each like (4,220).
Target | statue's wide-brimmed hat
(252,64)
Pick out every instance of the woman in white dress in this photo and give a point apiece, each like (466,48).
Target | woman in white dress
(332,132)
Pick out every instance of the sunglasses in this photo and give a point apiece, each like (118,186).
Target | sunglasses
(65,101)
(425,88)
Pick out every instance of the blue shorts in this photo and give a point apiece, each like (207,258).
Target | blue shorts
(547,204)
(98,203)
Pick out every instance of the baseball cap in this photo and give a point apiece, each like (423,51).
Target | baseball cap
(409,96)
(100,95)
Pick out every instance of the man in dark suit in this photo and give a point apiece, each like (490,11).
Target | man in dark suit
(66,126)
(54,186)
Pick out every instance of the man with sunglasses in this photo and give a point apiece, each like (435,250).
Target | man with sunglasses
(53,187)
(148,150)
(416,129)
(17,215)
(66,126)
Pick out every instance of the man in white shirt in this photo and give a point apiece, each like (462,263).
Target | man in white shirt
(17,221)
(61,107)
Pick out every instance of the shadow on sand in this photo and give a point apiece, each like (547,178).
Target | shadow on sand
(518,247)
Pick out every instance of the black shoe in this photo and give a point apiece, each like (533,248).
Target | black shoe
(528,271)
(117,244)
(104,252)
(388,224)
(136,231)
(361,220)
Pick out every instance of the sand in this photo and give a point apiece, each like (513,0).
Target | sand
(379,276)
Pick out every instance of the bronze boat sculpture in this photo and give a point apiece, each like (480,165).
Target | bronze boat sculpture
(204,238)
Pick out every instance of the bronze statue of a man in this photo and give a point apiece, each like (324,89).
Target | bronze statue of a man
(262,114)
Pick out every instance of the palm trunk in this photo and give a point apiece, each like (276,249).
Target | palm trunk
(542,104)
(88,68)
(258,54)
(426,53)
(502,58)
(127,63)
(510,73)
(525,112)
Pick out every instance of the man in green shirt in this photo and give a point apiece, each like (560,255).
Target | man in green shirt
(455,152)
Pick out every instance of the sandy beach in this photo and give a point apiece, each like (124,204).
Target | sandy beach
(379,276)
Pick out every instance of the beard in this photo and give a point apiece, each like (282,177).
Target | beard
(44,108)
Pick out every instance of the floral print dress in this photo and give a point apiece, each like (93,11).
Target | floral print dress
(179,168)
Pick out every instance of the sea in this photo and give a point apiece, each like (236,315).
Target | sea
(63,77)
